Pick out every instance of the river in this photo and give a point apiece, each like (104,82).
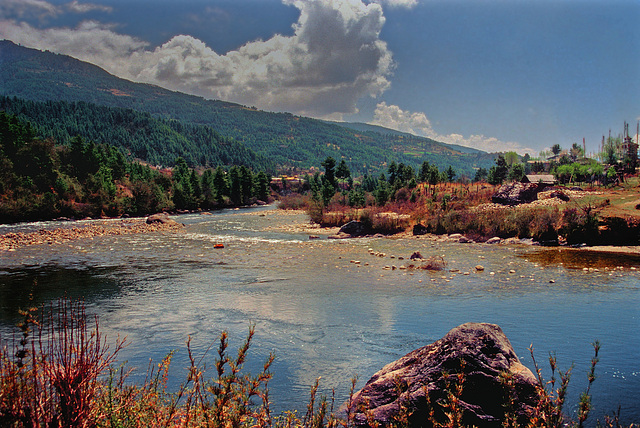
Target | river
(324,315)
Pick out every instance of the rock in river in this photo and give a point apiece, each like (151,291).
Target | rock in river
(485,353)
(354,228)
(159,218)
(420,229)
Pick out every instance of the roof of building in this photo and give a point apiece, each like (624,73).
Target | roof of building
(539,178)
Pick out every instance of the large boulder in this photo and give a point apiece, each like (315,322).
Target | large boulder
(162,218)
(480,351)
(420,229)
(354,228)
(516,193)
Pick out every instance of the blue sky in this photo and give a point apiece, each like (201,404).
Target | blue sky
(492,74)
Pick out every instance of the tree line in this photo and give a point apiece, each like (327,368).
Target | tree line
(41,179)
(400,183)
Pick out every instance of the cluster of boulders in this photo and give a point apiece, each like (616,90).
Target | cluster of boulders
(513,194)
(15,240)
(420,385)
(516,193)
(161,218)
(354,229)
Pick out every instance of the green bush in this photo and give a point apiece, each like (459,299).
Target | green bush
(580,226)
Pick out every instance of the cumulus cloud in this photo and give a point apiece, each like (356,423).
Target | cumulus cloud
(334,58)
(90,41)
(393,117)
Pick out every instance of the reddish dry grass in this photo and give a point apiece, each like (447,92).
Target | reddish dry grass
(59,373)
(51,377)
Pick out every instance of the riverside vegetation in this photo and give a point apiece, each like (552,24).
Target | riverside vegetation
(41,180)
(436,203)
(59,371)
(44,179)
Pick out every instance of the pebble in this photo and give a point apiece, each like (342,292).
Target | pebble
(12,241)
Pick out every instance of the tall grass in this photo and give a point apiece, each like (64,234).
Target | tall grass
(51,376)
(58,371)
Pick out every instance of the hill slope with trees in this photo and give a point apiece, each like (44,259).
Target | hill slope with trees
(41,179)
(140,135)
(289,141)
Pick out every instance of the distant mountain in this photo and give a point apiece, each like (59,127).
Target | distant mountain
(365,127)
(286,140)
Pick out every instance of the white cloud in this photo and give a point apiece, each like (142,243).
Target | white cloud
(334,58)
(24,9)
(27,8)
(397,3)
(90,41)
(393,117)
(77,7)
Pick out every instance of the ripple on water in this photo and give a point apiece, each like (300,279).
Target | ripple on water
(325,316)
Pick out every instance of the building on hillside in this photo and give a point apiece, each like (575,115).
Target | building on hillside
(544,179)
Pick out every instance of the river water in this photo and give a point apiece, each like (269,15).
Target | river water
(322,314)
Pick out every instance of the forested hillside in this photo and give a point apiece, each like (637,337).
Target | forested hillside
(365,127)
(287,140)
(41,178)
(140,135)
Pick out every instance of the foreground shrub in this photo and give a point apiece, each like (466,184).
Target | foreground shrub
(50,378)
(59,373)
(225,400)
(580,225)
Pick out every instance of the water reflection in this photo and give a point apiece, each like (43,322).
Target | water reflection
(21,288)
(322,313)
(581,258)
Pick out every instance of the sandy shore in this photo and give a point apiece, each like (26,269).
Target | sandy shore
(622,249)
(312,229)
(13,241)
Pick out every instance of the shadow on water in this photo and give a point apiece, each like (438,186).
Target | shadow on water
(21,288)
(572,258)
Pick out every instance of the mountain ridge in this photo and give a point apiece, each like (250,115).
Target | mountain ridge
(292,142)
(367,127)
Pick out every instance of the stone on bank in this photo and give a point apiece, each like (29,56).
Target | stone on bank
(485,353)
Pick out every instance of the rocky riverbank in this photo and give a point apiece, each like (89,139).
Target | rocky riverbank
(13,241)
(315,231)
